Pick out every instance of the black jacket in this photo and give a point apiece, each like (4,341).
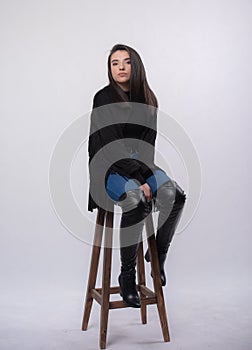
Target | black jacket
(117,130)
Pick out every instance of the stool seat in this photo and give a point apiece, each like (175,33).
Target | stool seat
(102,295)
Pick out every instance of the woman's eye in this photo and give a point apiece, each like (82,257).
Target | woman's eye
(128,62)
(114,64)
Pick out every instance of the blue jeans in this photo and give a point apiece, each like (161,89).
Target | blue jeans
(117,184)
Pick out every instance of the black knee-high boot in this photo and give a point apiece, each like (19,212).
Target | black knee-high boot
(131,227)
(170,202)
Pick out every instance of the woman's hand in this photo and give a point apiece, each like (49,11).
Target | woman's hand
(147,191)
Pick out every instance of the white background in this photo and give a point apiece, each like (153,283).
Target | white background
(197,56)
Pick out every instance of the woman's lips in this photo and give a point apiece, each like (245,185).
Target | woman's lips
(122,74)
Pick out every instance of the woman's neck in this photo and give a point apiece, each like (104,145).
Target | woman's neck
(124,87)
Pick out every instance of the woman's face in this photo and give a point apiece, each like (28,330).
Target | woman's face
(121,68)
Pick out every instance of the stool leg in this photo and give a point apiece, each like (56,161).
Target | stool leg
(93,266)
(106,276)
(141,280)
(156,277)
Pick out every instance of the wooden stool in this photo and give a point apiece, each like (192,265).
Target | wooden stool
(102,295)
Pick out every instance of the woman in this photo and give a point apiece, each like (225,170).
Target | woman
(121,156)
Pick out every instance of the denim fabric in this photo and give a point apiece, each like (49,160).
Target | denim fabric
(118,184)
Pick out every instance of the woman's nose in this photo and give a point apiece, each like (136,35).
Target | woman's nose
(121,67)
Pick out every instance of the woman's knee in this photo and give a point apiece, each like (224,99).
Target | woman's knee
(180,197)
(170,192)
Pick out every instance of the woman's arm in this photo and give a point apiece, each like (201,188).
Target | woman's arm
(104,129)
(147,154)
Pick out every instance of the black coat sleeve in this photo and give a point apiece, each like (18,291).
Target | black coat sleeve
(103,131)
(149,136)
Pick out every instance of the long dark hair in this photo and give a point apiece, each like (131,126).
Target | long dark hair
(139,87)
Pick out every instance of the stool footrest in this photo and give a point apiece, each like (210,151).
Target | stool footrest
(146,291)
(148,296)
(112,290)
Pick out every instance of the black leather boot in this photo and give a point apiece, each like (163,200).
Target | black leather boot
(128,290)
(170,201)
(135,209)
